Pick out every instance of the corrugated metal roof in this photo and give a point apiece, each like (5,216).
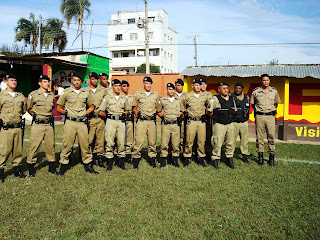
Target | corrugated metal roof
(297,71)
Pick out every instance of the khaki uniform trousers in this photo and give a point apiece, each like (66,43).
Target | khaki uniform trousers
(242,130)
(70,132)
(145,128)
(265,124)
(223,133)
(170,131)
(195,128)
(129,137)
(39,133)
(10,141)
(115,129)
(96,136)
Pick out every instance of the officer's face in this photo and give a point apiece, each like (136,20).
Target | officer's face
(44,84)
(125,88)
(238,90)
(147,86)
(170,91)
(93,81)
(11,83)
(104,81)
(116,88)
(204,87)
(265,81)
(179,87)
(76,82)
(224,90)
(196,87)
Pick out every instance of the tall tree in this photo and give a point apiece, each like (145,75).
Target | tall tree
(76,9)
(28,31)
(53,35)
(153,68)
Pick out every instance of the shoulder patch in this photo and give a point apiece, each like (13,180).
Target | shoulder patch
(29,97)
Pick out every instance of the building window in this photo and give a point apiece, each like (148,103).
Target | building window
(150,35)
(118,37)
(168,38)
(115,55)
(171,40)
(151,19)
(154,52)
(165,54)
(168,55)
(125,54)
(171,57)
(165,36)
(133,36)
(131,20)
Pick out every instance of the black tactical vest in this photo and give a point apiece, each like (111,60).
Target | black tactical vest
(224,115)
(243,109)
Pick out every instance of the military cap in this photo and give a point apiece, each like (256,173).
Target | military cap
(170,85)
(124,82)
(223,84)
(239,84)
(11,75)
(180,81)
(44,77)
(93,74)
(196,80)
(203,80)
(78,75)
(147,79)
(116,81)
(103,75)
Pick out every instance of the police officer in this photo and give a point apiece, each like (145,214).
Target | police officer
(265,100)
(241,116)
(196,102)
(144,109)
(222,107)
(104,82)
(117,107)
(170,109)
(40,105)
(130,120)
(76,103)
(96,123)
(12,107)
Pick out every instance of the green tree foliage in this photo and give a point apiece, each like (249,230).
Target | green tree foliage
(53,35)
(153,68)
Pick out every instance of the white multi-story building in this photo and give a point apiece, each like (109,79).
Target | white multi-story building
(126,42)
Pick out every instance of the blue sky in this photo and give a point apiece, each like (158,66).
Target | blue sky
(229,21)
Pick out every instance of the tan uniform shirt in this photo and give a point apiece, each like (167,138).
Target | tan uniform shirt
(41,105)
(208,95)
(196,107)
(12,108)
(130,100)
(182,97)
(171,110)
(146,104)
(264,101)
(97,96)
(76,104)
(114,106)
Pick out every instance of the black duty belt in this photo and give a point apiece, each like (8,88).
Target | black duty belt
(42,121)
(115,117)
(273,113)
(147,118)
(95,115)
(76,119)
(6,126)
(195,118)
(165,122)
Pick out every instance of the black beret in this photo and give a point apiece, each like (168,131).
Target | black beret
(115,81)
(170,85)
(44,77)
(147,79)
(124,82)
(239,84)
(103,75)
(93,74)
(78,75)
(180,81)
(203,80)
(223,84)
(11,75)
(196,80)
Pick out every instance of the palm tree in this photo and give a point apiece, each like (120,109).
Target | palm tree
(75,9)
(53,35)
(28,31)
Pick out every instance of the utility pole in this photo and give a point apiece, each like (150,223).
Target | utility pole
(195,50)
(40,23)
(146,32)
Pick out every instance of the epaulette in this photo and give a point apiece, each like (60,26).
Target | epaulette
(33,92)
(255,89)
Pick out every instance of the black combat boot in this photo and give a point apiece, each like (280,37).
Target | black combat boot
(153,162)
(163,162)
(208,158)
(230,163)
(109,164)
(94,159)
(52,168)
(135,162)
(169,159)
(32,171)
(2,175)
(100,161)
(128,158)
(271,160)
(186,162)
(245,159)
(175,161)
(121,164)
(201,162)
(260,158)
(63,169)
(89,168)
(216,163)
(18,172)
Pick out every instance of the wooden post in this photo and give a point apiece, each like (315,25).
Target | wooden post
(286,109)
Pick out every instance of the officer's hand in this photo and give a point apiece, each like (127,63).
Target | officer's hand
(181,114)
(210,114)
(160,114)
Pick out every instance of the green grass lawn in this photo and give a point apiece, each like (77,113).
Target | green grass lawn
(249,202)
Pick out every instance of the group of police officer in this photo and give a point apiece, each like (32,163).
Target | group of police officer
(111,125)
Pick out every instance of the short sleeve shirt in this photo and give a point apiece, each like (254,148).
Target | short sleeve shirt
(12,108)
(41,105)
(97,96)
(115,106)
(264,101)
(182,97)
(130,100)
(146,104)
(171,110)
(196,106)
